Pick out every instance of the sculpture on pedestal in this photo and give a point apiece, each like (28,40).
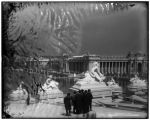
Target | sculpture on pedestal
(138,86)
(93,80)
(21,93)
(136,81)
(50,84)
(51,89)
(92,76)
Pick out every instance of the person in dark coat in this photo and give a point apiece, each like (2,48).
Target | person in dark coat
(90,97)
(74,102)
(79,102)
(37,87)
(82,97)
(67,102)
(85,102)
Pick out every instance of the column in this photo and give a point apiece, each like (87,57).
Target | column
(102,68)
(99,66)
(114,68)
(111,64)
(119,68)
(109,67)
(106,67)
(125,65)
(78,65)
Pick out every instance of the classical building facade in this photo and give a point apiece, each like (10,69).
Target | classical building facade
(108,65)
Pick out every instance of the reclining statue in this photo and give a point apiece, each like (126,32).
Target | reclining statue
(50,84)
(92,76)
(51,89)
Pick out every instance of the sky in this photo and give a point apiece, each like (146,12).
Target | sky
(55,29)
(116,34)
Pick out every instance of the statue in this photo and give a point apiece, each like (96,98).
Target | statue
(112,83)
(93,80)
(50,84)
(92,76)
(138,86)
(114,86)
(51,89)
(136,81)
(96,73)
(22,92)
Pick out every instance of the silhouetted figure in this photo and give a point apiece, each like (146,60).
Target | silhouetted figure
(79,102)
(82,104)
(28,100)
(85,102)
(90,97)
(74,102)
(32,87)
(37,86)
(67,102)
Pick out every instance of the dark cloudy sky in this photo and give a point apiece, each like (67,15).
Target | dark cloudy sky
(116,34)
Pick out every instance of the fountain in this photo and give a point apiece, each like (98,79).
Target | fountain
(93,80)
(137,85)
(114,86)
(19,94)
(51,89)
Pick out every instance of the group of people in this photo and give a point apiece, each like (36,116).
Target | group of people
(81,102)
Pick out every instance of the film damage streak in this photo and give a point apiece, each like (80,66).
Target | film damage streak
(52,29)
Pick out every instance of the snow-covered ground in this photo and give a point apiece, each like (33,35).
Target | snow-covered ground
(56,109)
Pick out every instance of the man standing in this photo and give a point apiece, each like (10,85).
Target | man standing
(79,102)
(67,102)
(90,97)
(74,102)
(85,102)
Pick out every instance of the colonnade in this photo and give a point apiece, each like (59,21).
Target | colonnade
(106,66)
(113,67)
(77,67)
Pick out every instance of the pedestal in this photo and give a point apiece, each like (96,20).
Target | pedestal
(97,89)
